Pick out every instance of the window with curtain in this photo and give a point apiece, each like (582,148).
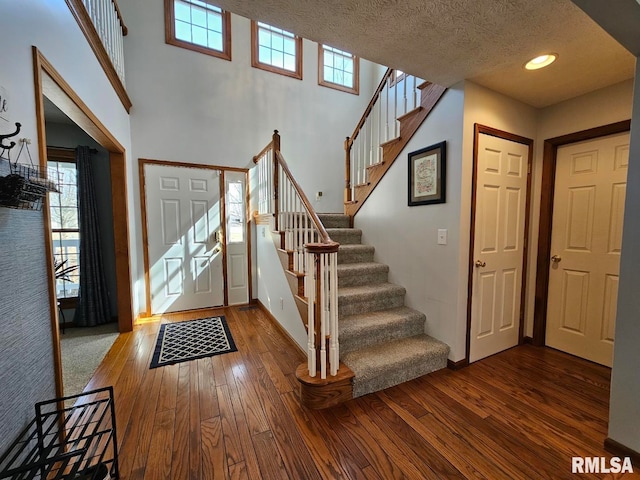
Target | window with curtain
(198,25)
(276,50)
(64,227)
(338,69)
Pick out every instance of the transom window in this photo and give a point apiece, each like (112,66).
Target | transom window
(338,69)
(276,50)
(64,228)
(198,25)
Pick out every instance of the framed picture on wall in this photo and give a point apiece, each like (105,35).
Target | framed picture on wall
(428,175)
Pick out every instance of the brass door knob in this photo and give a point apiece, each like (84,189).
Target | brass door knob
(480,263)
(556,258)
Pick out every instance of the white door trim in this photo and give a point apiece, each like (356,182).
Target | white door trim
(479,130)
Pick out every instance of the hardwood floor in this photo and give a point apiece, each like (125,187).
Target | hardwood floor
(521,414)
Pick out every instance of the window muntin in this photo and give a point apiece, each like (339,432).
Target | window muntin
(276,50)
(338,69)
(198,25)
(63,208)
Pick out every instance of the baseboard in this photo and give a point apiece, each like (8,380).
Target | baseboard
(620,450)
(527,340)
(277,324)
(451,365)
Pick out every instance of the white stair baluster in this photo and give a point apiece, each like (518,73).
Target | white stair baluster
(323,317)
(311,344)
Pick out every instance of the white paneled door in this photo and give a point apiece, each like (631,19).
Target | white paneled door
(586,239)
(184,235)
(502,171)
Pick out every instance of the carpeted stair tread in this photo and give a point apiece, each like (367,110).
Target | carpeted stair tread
(366,329)
(369,298)
(381,339)
(345,236)
(385,365)
(355,253)
(363,292)
(353,274)
(335,220)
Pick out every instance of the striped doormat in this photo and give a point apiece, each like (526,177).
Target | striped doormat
(192,339)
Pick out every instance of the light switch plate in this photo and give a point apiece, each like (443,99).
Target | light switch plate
(442,236)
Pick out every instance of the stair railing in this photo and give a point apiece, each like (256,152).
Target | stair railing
(315,255)
(396,95)
(107,20)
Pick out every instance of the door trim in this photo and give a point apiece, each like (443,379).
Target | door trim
(47,81)
(549,158)
(145,234)
(478,130)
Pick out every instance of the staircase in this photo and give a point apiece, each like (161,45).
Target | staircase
(361,336)
(381,340)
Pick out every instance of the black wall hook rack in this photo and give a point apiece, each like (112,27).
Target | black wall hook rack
(12,144)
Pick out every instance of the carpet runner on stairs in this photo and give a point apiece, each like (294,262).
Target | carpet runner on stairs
(381,340)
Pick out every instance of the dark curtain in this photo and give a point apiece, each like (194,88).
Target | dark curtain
(93,301)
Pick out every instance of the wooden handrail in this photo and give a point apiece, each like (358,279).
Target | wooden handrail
(372,102)
(125,30)
(257,157)
(322,232)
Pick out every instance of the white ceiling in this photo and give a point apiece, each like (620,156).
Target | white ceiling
(445,41)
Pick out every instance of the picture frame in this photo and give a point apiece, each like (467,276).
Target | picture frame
(428,175)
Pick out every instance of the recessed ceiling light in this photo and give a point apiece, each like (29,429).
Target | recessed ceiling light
(541,61)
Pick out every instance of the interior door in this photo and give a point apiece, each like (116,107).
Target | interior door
(184,232)
(586,239)
(502,169)
(236,241)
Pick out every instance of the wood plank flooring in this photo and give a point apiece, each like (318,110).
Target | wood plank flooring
(521,414)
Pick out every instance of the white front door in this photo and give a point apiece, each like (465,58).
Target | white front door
(586,238)
(498,252)
(236,231)
(183,233)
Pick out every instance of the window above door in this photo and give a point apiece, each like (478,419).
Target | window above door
(338,69)
(198,25)
(276,50)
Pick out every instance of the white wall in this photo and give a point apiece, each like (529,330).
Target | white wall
(405,237)
(273,288)
(624,406)
(196,108)
(49,25)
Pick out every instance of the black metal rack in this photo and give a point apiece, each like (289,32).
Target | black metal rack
(23,186)
(77,442)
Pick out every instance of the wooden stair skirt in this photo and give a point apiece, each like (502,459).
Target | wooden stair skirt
(317,393)
(409,124)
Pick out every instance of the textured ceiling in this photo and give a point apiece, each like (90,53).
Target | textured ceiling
(445,41)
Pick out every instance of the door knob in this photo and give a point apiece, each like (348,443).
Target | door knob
(556,258)
(480,263)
